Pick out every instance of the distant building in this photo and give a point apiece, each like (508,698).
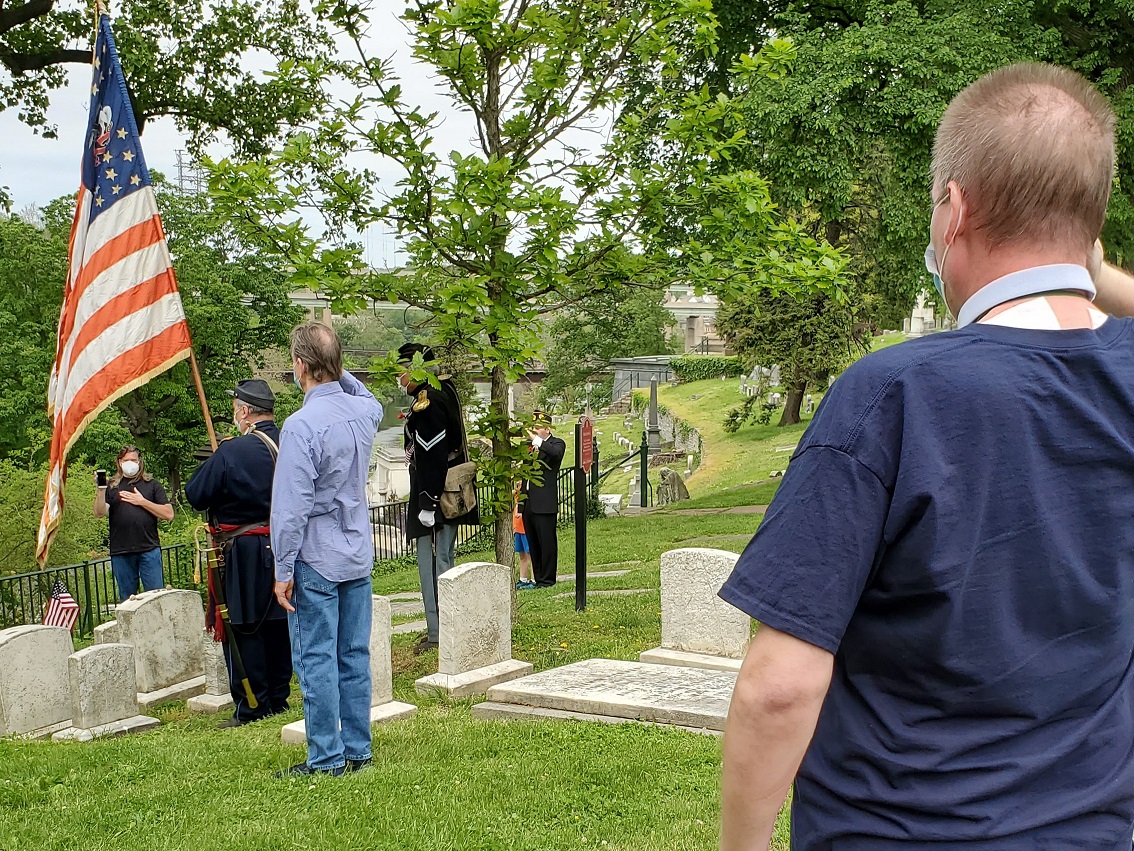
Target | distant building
(696,316)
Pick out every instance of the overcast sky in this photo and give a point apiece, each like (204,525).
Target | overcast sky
(38,170)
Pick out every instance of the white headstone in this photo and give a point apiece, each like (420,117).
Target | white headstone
(608,689)
(475,630)
(218,689)
(475,626)
(383,707)
(103,685)
(106,633)
(695,621)
(216,668)
(35,692)
(164,627)
(611,503)
(381,662)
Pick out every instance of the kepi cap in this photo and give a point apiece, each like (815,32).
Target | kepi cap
(406,351)
(255,391)
(540,419)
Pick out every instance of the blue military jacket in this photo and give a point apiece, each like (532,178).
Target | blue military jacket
(234,487)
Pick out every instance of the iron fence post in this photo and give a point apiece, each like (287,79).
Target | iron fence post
(90,615)
(643,499)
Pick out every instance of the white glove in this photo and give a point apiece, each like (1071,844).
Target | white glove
(428,519)
(537,441)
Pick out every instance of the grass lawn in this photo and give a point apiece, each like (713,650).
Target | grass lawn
(441,780)
(883,341)
(730,460)
(757,494)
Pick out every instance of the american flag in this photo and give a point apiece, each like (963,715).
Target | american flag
(122,320)
(62,610)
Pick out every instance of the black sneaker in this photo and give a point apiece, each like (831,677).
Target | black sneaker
(303,770)
(358,764)
(231,722)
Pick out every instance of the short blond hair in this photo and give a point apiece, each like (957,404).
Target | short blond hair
(1032,148)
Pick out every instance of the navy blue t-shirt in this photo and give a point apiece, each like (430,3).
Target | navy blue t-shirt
(957,527)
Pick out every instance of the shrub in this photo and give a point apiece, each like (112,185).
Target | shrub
(700,367)
(749,412)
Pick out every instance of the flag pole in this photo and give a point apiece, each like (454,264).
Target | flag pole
(201,398)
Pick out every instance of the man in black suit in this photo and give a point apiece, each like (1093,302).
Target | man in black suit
(541,503)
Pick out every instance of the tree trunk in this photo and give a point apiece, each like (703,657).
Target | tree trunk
(792,403)
(498,404)
(175,481)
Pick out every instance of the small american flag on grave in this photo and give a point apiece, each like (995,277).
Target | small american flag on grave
(62,610)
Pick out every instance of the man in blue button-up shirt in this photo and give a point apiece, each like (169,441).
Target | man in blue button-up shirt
(324,550)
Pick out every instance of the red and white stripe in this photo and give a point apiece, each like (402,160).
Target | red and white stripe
(121,324)
(62,610)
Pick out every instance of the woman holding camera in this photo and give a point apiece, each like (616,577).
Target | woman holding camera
(135,501)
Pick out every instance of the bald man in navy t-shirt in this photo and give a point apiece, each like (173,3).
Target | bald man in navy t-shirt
(947,662)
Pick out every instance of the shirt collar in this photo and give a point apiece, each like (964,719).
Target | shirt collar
(325,389)
(1040,279)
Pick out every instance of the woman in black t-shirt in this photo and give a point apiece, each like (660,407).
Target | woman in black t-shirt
(135,502)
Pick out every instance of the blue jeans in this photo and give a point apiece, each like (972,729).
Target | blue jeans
(446,549)
(129,567)
(330,651)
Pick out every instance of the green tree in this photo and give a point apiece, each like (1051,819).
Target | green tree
(540,214)
(810,338)
(33,265)
(80,536)
(237,304)
(379,331)
(197,63)
(238,307)
(845,138)
(587,335)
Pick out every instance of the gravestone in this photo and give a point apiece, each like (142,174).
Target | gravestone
(106,633)
(474,648)
(653,430)
(218,690)
(699,629)
(164,627)
(383,707)
(35,691)
(104,694)
(671,487)
(616,691)
(611,503)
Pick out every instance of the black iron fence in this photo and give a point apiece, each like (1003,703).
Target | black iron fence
(24,596)
(388,522)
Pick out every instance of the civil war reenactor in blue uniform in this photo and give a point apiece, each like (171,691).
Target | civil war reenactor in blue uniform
(434,441)
(234,486)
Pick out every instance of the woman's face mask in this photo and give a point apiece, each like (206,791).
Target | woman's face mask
(130,469)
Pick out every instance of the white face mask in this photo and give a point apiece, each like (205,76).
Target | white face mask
(130,469)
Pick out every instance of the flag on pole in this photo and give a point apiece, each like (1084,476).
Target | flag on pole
(62,610)
(122,320)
